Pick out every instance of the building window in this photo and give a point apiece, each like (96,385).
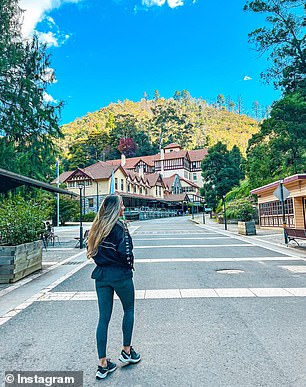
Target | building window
(90,202)
(71,183)
(156,191)
(186,174)
(159,191)
(146,191)
(88,183)
(116,183)
(194,176)
(271,213)
(135,188)
(122,186)
(140,190)
(129,187)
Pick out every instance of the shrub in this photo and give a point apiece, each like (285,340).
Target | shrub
(241,209)
(21,221)
(89,217)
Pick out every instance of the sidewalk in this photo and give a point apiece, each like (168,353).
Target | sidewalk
(274,236)
(62,253)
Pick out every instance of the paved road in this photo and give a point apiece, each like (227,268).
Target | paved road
(212,310)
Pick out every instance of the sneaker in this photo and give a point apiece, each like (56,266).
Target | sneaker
(132,358)
(102,372)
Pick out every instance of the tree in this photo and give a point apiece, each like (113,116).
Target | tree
(220,101)
(256,109)
(127,146)
(278,149)
(219,173)
(239,105)
(28,123)
(284,39)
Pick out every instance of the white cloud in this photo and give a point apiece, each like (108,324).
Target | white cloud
(159,3)
(49,38)
(150,3)
(247,78)
(175,3)
(49,98)
(35,11)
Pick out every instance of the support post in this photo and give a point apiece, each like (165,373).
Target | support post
(224,210)
(81,214)
(281,184)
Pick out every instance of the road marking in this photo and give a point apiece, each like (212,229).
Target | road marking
(295,269)
(34,276)
(182,293)
(179,238)
(7,316)
(257,242)
(247,259)
(200,245)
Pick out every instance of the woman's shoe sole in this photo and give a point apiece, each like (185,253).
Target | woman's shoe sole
(128,361)
(103,376)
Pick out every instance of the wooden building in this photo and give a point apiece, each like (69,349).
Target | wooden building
(270,208)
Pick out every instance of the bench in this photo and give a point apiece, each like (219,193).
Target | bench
(295,233)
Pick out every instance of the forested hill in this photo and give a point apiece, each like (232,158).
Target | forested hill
(138,128)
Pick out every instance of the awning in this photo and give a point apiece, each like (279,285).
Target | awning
(10,180)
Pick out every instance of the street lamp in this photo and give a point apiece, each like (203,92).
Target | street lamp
(224,210)
(81,187)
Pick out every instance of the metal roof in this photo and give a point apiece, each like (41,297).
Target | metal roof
(10,180)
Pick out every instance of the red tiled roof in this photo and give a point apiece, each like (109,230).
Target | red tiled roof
(168,181)
(130,162)
(189,182)
(198,154)
(101,170)
(172,155)
(176,197)
(152,178)
(173,145)
(275,184)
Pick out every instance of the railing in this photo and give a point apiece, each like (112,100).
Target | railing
(149,214)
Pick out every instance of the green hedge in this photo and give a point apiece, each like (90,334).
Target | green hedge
(89,217)
(21,221)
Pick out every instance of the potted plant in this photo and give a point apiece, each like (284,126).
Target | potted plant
(21,227)
(246,215)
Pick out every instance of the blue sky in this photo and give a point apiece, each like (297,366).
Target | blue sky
(109,50)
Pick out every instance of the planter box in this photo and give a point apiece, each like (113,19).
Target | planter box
(247,228)
(19,261)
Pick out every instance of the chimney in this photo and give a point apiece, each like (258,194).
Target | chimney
(123,160)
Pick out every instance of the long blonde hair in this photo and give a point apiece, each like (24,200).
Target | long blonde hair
(103,223)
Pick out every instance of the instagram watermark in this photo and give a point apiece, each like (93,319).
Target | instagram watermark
(43,378)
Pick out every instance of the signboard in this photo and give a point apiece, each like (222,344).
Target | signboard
(277,192)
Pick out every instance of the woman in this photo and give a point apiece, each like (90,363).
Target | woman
(110,245)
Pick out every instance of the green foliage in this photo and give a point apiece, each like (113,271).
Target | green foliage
(153,123)
(242,191)
(89,217)
(28,123)
(21,220)
(284,38)
(279,148)
(69,209)
(220,172)
(241,209)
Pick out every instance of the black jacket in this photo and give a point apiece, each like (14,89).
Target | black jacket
(114,258)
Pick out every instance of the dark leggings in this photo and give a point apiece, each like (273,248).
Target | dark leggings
(105,292)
